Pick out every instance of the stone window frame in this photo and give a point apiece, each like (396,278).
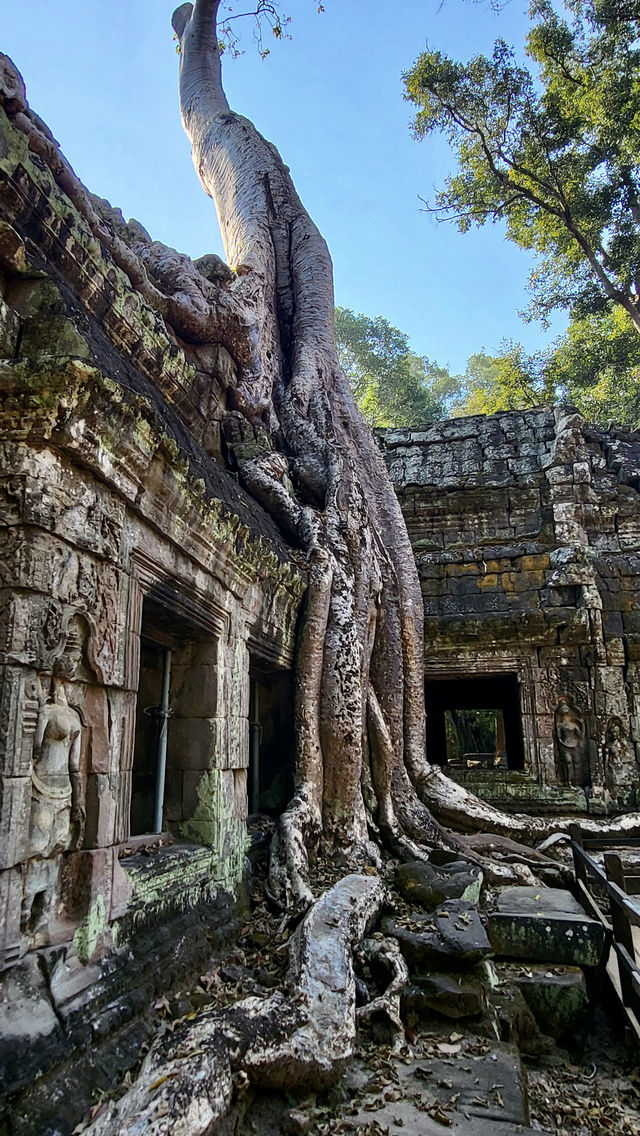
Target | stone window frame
(196,608)
(486,664)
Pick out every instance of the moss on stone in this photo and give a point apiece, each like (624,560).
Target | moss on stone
(90,931)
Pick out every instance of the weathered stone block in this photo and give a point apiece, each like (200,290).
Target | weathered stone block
(197,743)
(9,330)
(192,789)
(102,807)
(18,720)
(516,1023)
(544,925)
(12,249)
(53,337)
(30,1035)
(241,800)
(428,886)
(556,996)
(581,472)
(121,891)
(85,894)
(453,935)
(195,691)
(15,811)
(10,906)
(96,715)
(238,743)
(451,995)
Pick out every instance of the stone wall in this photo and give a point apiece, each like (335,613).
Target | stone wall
(526,531)
(122,525)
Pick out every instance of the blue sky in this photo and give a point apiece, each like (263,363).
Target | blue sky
(103,76)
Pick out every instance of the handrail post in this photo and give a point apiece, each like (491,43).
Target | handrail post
(622,930)
(575,832)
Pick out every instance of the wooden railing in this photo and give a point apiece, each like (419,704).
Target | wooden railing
(607,894)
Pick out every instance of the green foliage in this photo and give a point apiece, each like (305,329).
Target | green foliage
(393,386)
(595,366)
(470,732)
(511,380)
(551,148)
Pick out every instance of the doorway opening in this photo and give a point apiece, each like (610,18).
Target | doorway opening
(146,791)
(271,741)
(176,704)
(475,739)
(475,722)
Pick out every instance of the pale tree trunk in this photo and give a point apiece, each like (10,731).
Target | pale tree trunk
(361,770)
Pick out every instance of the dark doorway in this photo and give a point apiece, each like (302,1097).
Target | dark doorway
(176,719)
(475,722)
(271,746)
(148,722)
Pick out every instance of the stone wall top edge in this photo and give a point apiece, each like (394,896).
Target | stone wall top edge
(85,267)
(54,409)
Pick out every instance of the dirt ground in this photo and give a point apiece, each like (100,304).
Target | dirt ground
(418,1086)
(601,1095)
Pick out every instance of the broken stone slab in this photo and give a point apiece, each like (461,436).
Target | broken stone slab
(452,935)
(428,886)
(471,1086)
(556,996)
(544,925)
(514,1022)
(451,995)
(31,1032)
(302,1038)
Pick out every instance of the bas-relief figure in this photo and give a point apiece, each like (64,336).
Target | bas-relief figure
(57,803)
(58,813)
(619,764)
(570,732)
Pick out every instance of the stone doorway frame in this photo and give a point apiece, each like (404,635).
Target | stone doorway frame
(196,609)
(469,664)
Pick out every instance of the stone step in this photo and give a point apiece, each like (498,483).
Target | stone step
(555,994)
(471,1086)
(451,936)
(543,925)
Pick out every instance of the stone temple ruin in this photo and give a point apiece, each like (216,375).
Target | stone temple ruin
(148,612)
(526,531)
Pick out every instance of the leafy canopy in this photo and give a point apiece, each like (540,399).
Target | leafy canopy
(392,385)
(595,366)
(551,148)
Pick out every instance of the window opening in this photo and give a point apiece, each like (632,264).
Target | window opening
(145,773)
(176,705)
(475,723)
(271,740)
(475,739)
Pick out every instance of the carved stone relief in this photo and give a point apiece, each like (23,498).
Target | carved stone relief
(619,764)
(570,735)
(54,720)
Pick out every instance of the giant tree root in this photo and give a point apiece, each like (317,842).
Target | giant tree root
(302,1038)
(460,810)
(386,1007)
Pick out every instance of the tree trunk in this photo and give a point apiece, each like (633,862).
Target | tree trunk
(361,769)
